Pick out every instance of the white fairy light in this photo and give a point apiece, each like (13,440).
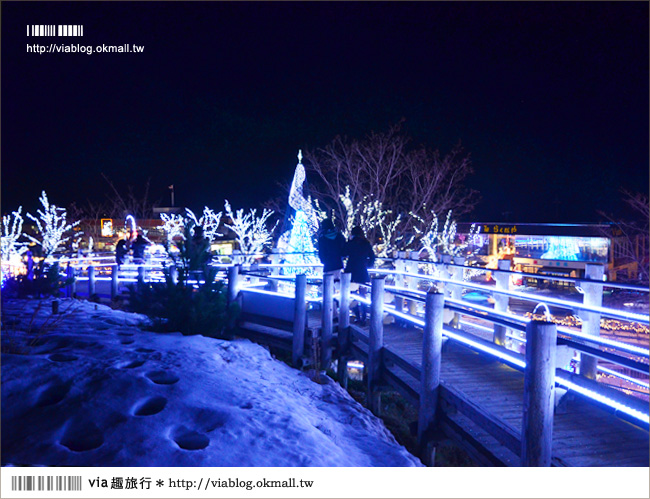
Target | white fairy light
(10,248)
(434,242)
(12,229)
(172,225)
(370,215)
(51,226)
(251,231)
(209,221)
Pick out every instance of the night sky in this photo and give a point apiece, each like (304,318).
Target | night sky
(550,99)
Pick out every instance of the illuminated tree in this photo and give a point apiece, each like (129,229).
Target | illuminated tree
(11,248)
(12,229)
(209,221)
(173,225)
(385,168)
(379,225)
(251,231)
(430,239)
(51,226)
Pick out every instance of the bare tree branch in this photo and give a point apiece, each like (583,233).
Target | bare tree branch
(140,206)
(385,167)
(631,240)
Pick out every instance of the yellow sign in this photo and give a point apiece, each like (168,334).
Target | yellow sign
(499,229)
(107,227)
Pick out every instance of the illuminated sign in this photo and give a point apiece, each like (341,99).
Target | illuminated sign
(107,227)
(563,248)
(498,229)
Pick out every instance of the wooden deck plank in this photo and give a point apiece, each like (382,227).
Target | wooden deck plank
(584,435)
(489,384)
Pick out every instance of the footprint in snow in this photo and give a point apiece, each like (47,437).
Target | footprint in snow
(189,439)
(127,342)
(162,377)
(52,394)
(130,365)
(62,357)
(82,435)
(144,350)
(149,406)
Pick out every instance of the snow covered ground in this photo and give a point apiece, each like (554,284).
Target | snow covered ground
(88,387)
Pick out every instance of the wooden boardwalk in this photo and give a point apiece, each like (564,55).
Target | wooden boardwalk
(480,400)
(583,434)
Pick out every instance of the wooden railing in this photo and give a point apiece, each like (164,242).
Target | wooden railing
(287,300)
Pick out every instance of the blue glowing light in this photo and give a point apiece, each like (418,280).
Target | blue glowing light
(304,225)
(520,363)
(625,377)
(638,415)
(620,314)
(561,248)
(129,218)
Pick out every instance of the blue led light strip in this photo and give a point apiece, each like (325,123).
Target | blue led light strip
(267,292)
(280,265)
(623,376)
(638,415)
(527,296)
(490,330)
(561,329)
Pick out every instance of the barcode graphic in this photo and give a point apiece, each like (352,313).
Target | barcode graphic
(55,30)
(45,483)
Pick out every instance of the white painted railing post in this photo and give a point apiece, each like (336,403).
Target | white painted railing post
(430,381)
(237,257)
(72,287)
(539,394)
(376,342)
(593,296)
(299,321)
(327,329)
(399,278)
(275,260)
(233,289)
(114,282)
(344,330)
(443,270)
(501,301)
(91,280)
(412,282)
(457,289)
(173,273)
(233,283)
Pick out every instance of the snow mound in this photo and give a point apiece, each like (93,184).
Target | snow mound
(89,388)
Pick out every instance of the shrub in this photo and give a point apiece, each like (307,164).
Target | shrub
(47,281)
(179,306)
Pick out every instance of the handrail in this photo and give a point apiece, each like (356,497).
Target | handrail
(575,340)
(630,410)
(575,280)
(502,318)
(617,359)
(528,296)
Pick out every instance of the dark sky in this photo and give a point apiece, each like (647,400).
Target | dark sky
(550,98)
